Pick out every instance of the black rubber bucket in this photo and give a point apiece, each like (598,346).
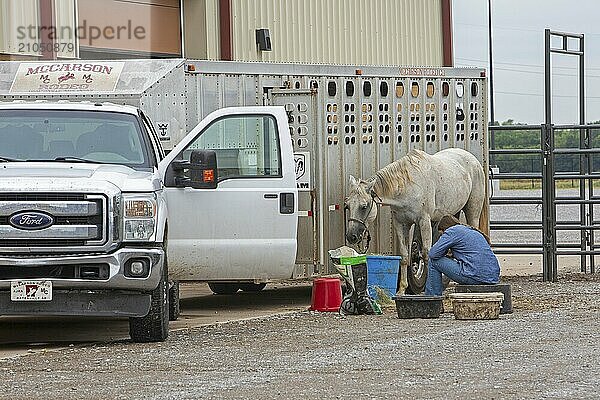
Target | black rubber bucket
(418,306)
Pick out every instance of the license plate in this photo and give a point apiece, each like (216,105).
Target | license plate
(31,290)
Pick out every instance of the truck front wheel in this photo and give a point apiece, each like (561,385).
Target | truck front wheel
(154,327)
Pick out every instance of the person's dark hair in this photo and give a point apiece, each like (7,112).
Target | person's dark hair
(448,221)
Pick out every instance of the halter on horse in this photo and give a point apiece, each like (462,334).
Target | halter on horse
(362,222)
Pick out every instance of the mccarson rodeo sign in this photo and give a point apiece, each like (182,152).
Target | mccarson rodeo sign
(67,77)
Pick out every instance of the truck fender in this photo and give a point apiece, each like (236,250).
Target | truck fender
(161,217)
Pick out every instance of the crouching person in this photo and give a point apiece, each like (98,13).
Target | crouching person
(472,261)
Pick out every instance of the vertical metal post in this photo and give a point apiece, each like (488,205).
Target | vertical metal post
(589,217)
(491,80)
(546,223)
(581,82)
(546,228)
(548,77)
(548,211)
(492,118)
(548,184)
(583,162)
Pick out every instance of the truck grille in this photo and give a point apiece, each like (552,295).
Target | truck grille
(79,220)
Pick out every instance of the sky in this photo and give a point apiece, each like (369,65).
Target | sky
(518,55)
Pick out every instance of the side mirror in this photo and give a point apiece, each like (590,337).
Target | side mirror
(203,169)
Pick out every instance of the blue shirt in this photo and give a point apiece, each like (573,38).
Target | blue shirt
(471,250)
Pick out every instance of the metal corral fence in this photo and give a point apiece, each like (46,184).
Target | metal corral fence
(562,211)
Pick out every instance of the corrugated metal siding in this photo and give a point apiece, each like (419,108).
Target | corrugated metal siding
(213,51)
(65,17)
(201,27)
(15,14)
(377,32)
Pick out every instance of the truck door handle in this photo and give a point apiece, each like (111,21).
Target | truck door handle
(286,203)
(270,196)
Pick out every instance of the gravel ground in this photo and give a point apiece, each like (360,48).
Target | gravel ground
(548,348)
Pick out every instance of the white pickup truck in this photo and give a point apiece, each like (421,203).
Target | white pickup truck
(91,209)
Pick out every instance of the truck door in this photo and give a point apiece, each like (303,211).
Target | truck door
(245,229)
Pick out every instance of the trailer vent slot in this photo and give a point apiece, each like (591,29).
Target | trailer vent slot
(349,88)
(367,88)
(414,89)
(430,89)
(399,90)
(383,89)
(445,89)
(332,88)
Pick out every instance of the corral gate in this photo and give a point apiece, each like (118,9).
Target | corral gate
(346,120)
(558,228)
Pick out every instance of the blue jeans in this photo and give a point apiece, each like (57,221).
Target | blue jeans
(449,267)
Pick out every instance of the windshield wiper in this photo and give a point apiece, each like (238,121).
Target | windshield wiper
(66,159)
(77,159)
(7,159)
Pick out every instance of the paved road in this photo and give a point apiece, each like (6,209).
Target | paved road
(523,212)
(199,307)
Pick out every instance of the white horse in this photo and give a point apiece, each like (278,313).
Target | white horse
(420,189)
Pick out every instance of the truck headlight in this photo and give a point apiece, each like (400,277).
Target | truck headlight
(139,217)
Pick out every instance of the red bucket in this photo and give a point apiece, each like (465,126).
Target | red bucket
(326,294)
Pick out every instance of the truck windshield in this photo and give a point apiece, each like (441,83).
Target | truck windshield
(78,136)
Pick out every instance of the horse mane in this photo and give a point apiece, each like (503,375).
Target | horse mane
(394,177)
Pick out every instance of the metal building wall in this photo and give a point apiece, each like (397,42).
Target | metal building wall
(374,32)
(66,16)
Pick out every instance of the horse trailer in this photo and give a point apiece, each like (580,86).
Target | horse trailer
(344,120)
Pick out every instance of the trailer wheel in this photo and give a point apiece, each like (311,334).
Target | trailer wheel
(252,287)
(174,310)
(417,270)
(154,327)
(223,288)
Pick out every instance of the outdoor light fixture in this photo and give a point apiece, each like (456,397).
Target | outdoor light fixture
(263,40)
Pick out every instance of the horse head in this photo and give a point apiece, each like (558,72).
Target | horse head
(362,210)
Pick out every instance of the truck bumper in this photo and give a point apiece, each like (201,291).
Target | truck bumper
(116,295)
(77,303)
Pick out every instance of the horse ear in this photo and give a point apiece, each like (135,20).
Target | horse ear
(353,182)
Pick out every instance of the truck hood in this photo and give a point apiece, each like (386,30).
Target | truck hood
(34,176)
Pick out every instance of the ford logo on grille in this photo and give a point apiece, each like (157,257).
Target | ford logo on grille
(31,221)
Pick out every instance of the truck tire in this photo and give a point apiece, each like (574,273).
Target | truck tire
(224,288)
(154,327)
(252,287)
(174,310)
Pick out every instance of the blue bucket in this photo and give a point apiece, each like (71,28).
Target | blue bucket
(382,272)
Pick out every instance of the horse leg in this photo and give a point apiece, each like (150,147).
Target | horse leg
(474,206)
(402,232)
(425,228)
(472,211)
